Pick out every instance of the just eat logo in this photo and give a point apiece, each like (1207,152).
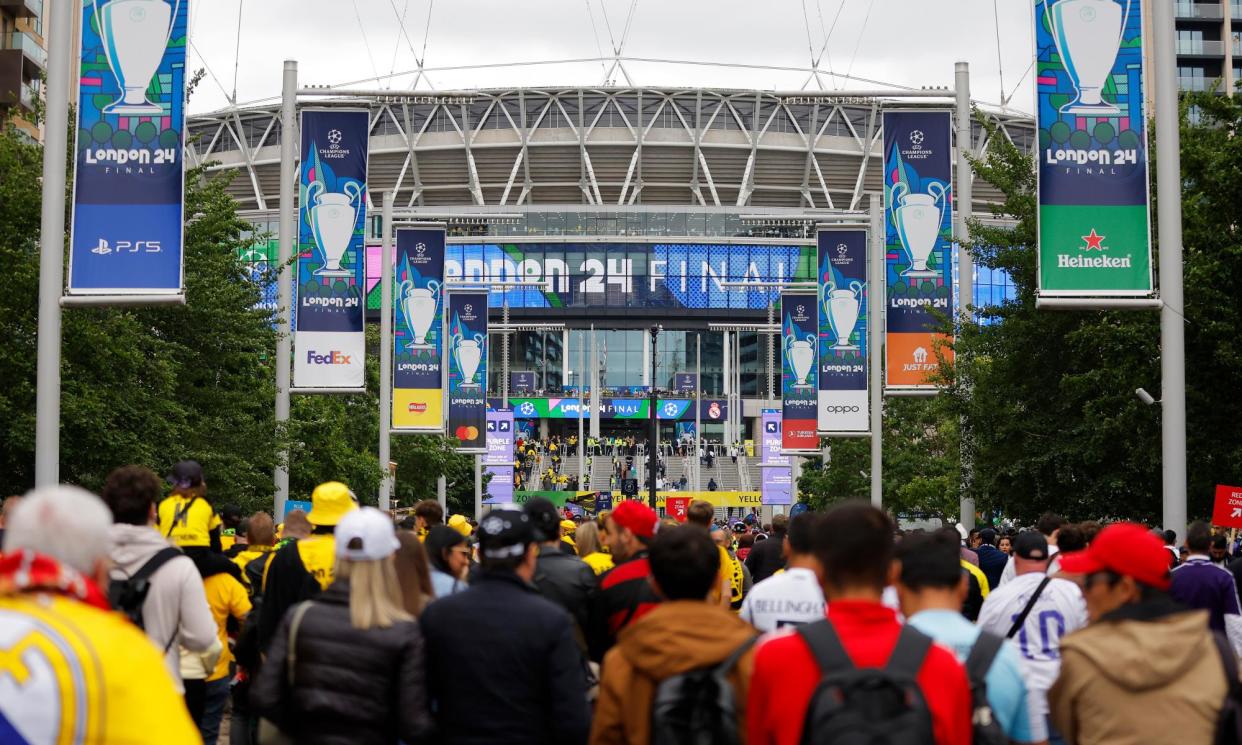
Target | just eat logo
(331,358)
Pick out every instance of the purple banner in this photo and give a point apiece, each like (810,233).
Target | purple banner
(498,460)
(777,473)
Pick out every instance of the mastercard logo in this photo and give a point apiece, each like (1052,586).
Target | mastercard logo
(467,434)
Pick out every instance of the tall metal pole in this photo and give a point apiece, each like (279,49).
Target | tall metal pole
(581,384)
(504,350)
(876,299)
(284,282)
(698,406)
(653,443)
(385,391)
(1169,218)
(478,489)
(52,243)
(965,264)
(771,350)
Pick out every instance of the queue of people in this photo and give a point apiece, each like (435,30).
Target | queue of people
(339,626)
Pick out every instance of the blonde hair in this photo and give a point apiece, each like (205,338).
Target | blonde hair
(587,539)
(375,599)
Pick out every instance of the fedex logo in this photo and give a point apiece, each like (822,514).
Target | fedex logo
(331,358)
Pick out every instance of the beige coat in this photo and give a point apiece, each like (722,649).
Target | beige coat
(1137,682)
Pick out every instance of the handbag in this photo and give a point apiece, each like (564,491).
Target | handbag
(269,732)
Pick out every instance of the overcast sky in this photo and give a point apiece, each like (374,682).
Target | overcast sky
(904,42)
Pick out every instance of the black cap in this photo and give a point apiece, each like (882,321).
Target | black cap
(544,519)
(1031,545)
(505,533)
(187,474)
(988,536)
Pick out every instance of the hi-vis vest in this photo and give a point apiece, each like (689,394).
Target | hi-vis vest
(76,674)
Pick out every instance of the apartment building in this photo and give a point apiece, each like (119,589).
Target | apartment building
(23,60)
(1209,43)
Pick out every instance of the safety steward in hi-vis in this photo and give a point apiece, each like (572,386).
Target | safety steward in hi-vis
(302,570)
(186,517)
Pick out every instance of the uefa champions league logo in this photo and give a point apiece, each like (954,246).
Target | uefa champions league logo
(842,249)
(420,249)
(334,139)
(670,409)
(527,408)
(467,310)
(916,139)
(801,311)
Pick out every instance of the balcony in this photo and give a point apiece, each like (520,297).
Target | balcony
(1200,48)
(1198,11)
(1187,83)
(23,8)
(22,45)
(15,86)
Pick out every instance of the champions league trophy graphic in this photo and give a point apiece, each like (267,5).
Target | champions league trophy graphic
(135,34)
(801,359)
(333,218)
(842,307)
(1088,34)
(419,305)
(469,355)
(918,218)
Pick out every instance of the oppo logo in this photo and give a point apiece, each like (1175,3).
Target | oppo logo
(842,409)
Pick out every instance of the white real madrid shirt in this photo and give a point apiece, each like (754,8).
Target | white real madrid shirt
(787,599)
(1059,610)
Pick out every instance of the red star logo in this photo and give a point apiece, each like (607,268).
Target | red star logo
(1094,241)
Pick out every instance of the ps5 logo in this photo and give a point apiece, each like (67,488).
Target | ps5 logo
(104,248)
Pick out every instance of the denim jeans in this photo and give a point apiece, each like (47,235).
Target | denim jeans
(213,709)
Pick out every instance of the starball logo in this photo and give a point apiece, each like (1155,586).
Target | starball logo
(334,151)
(918,148)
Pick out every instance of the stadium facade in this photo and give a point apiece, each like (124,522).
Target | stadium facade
(639,202)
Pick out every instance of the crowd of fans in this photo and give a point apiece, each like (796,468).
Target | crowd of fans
(146,614)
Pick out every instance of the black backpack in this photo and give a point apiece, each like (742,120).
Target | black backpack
(698,707)
(127,595)
(987,730)
(1229,722)
(866,706)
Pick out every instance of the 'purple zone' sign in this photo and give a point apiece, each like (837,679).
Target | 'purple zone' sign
(777,472)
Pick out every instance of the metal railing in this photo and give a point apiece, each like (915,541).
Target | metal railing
(1205,11)
(1202,47)
(1187,83)
(28,44)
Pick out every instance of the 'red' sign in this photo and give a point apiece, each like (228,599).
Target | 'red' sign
(1227,511)
(677,508)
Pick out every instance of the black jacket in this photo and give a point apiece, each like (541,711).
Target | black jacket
(766,557)
(350,686)
(992,563)
(567,581)
(288,583)
(503,666)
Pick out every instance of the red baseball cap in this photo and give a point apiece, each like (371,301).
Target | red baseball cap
(638,517)
(1126,549)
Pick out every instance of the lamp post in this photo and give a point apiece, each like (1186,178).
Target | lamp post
(653,444)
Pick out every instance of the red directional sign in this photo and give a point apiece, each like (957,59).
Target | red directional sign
(1227,511)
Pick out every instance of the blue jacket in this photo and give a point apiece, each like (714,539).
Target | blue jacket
(503,666)
(992,563)
(1198,583)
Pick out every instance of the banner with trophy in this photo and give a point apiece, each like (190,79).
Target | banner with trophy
(498,461)
(777,487)
(330,337)
(465,337)
(418,394)
(799,384)
(129,169)
(843,402)
(1094,226)
(918,219)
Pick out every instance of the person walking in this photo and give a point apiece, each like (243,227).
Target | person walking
(1035,611)
(769,556)
(1200,583)
(1145,665)
(992,560)
(303,569)
(75,671)
(685,633)
(854,545)
(348,666)
(587,538)
(796,595)
(931,588)
(230,604)
(502,662)
(257,554)
(448,553)
(173,608)
(625,593)
(560,575)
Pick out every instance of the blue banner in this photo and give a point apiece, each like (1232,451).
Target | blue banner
(129,168)
(522,382)
(499,458)
(330,339)
(843,330)
(777,471)
(799,370)
(918,219)
(418,328)
(465,314)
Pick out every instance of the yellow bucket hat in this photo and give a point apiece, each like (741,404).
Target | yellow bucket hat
(330,502)
(460,524)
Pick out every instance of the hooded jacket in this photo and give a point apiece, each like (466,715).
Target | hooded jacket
(674,638)
(1144,669)
(175,611)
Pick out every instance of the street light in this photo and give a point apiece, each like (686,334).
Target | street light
(653,443)
(1145,397)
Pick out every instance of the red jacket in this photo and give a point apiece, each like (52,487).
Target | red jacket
(785,676)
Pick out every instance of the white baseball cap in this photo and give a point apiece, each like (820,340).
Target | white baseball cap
(366,534)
